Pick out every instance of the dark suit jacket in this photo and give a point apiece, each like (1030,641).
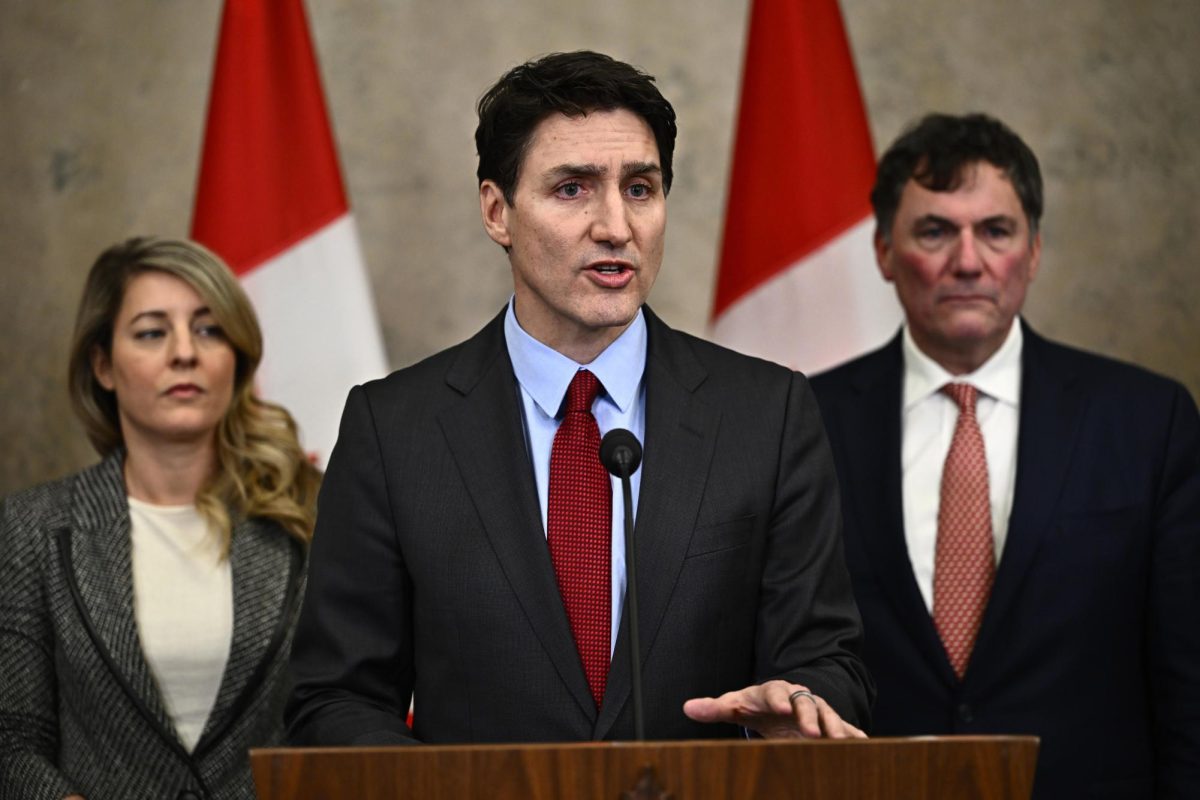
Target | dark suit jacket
(79,708)
(430,571)
(1091,638)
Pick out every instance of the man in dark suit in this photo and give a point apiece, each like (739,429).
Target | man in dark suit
(1024,546)
(465,554)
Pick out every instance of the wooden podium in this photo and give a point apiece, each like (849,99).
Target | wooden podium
(958,767)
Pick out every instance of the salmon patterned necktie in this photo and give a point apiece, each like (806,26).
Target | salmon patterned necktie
(579,530)
(965,560)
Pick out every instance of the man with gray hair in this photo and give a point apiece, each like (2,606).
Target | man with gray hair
(1022,519)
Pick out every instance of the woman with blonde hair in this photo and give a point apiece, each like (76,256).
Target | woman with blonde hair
(147,602)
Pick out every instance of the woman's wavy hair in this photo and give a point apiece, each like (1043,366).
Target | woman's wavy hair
(261,469)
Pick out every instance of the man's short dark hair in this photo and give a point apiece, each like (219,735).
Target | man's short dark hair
(573,84)
(937,150)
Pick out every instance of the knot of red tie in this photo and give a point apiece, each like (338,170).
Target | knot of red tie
(582,392)
(963,395)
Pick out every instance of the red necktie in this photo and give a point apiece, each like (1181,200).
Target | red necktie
(965,562)
(580,530)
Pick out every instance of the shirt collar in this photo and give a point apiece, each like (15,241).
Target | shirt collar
(999,377)
(546,373)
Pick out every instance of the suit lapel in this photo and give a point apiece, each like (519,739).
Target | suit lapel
(99,565)
(485,436)
(1049,425)
(680,436)
(873,457)
(262,561)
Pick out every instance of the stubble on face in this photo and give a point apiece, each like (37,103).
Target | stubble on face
(962,261)
(586,230)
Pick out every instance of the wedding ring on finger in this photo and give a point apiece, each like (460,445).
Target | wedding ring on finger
(802,693)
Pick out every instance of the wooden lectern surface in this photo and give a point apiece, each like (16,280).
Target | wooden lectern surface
(945,768)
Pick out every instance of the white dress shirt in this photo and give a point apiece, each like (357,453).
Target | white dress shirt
(927,428)
(543,375)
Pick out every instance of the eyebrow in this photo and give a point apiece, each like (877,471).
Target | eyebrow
(628,170)
(926,219)
(158,314)
(634,168)
(940,220)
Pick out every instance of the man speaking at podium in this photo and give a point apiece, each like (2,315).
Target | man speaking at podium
(469,551)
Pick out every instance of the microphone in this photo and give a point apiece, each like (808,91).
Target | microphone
(621,454)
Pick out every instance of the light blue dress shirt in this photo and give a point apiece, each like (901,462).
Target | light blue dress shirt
(543,375)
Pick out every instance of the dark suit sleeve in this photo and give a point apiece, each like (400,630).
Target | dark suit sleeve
(810,631)
(1173,635)
(352,657)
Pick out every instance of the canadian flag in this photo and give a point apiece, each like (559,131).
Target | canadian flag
(270,201)
(797,281)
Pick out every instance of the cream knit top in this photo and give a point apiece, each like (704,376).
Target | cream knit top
(183,605)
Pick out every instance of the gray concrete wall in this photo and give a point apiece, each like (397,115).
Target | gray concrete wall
(102,105)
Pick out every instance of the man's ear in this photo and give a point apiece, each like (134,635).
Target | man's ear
(883,255)
(495,209)
(1035,255)
(102,368)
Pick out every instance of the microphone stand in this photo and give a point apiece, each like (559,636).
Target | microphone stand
(621,454)
(631,596)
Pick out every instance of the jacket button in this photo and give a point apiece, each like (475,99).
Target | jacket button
(965,712)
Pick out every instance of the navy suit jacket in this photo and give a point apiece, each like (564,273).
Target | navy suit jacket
(1091,637)
(430,575)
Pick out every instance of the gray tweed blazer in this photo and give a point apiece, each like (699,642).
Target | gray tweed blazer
(79,708)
